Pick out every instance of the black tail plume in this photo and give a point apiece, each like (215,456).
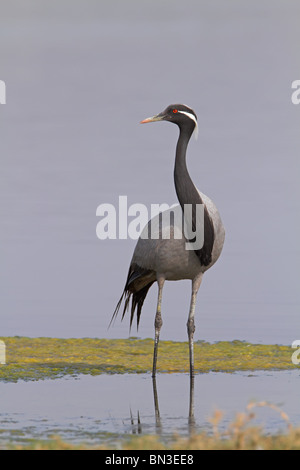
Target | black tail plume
(138,283)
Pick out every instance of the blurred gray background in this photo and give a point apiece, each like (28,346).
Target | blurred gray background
(80,75)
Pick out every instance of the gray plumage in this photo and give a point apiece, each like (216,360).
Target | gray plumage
(163,255)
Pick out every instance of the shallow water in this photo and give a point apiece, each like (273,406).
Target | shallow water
(106,409)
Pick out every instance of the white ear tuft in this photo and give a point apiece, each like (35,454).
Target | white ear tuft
(196,130)
(191,116)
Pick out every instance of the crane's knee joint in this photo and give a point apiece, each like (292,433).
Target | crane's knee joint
(190,326)
(158,321)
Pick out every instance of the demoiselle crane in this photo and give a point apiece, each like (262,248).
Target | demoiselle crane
(164,250)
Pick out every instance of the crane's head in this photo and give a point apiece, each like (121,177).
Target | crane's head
(180,114)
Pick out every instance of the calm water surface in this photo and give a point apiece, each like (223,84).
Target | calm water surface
(106,408)
(80,76)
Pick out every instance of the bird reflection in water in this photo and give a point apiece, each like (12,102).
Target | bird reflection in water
(138,428)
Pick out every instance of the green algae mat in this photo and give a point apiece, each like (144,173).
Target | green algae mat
(44,358)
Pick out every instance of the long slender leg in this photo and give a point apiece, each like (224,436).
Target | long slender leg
(191,323)
(158,322)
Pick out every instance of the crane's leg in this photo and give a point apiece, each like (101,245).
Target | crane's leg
(191,323)
(158,322)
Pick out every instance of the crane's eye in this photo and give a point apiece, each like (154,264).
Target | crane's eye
(175,111)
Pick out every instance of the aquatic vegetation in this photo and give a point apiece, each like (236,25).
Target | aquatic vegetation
(41,358)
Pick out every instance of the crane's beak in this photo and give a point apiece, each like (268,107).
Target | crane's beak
(158,117)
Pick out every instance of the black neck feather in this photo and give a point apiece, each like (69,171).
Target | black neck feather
(187,193)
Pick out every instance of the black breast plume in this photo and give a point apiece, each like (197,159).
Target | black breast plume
(187,193)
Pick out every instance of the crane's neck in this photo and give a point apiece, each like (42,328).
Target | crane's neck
(187,193)
(185,188)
